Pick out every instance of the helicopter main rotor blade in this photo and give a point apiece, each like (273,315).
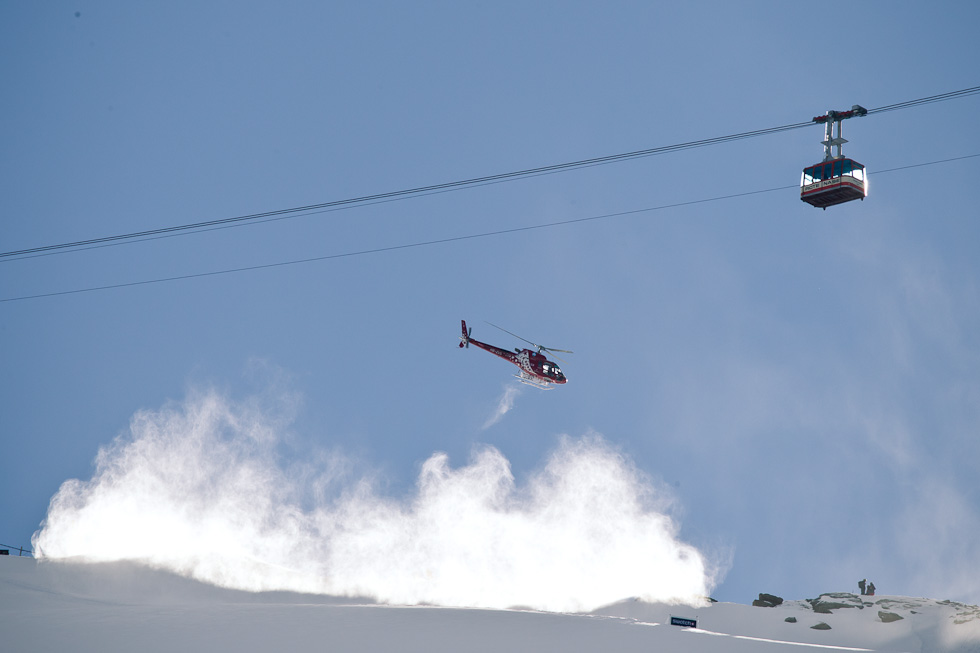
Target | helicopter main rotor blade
(513,334)
(533,344)
(560,359)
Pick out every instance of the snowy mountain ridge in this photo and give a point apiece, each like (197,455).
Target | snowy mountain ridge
(880,623)
(72,605)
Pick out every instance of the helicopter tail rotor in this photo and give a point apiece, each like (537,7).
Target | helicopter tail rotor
(464,340)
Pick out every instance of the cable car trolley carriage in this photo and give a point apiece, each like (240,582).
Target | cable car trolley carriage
(836,179)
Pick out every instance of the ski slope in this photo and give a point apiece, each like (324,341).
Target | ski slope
(124,606)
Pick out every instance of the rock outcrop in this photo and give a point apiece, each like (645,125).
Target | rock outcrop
(767,601)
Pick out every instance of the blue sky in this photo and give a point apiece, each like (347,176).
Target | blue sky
(803,385)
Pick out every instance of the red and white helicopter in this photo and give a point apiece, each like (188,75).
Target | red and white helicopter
(535,368)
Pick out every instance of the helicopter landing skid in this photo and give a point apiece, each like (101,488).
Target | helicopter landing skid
(527,379)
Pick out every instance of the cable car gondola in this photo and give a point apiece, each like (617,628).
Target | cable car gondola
(833,182)
(836,179)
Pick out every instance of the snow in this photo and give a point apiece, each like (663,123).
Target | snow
(199,490)
(80,606)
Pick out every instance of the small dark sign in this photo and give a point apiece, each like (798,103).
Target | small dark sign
(682,621)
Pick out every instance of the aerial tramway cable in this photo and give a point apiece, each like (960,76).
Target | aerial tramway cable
(454,185)
(357,201)
(499,232)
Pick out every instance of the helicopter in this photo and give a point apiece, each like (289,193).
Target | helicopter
(534,367)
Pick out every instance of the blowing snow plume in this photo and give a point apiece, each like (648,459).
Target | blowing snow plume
(199,490)
(504,406)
